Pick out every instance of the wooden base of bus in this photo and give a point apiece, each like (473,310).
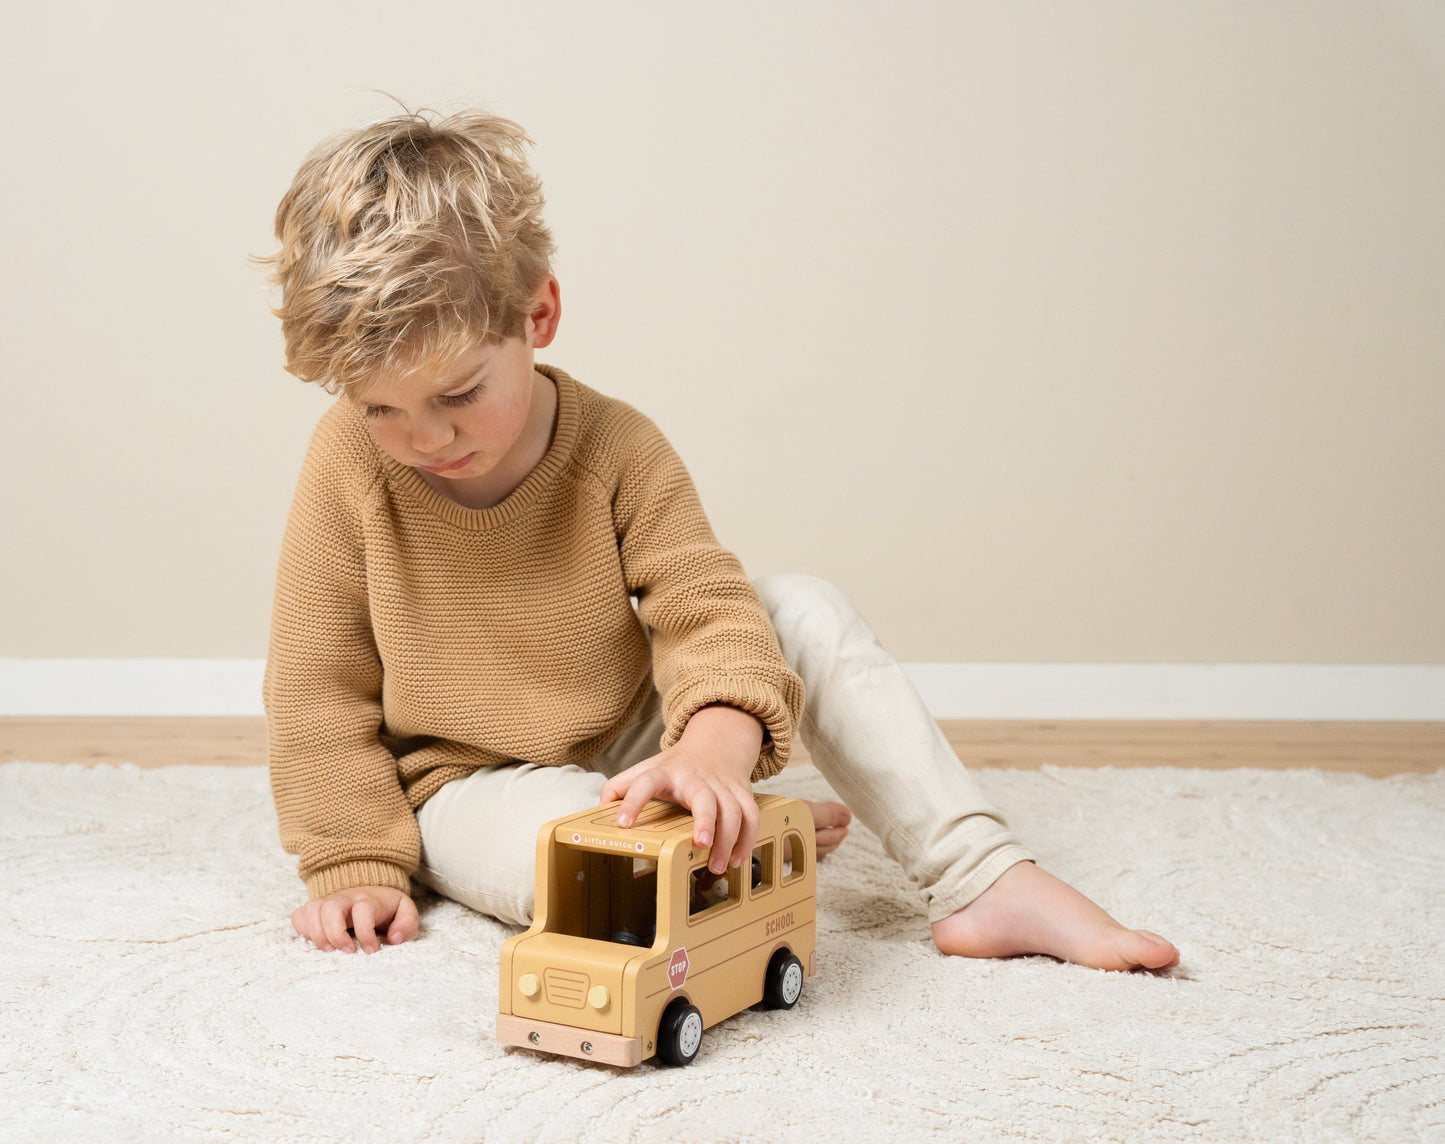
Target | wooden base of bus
(566,1041)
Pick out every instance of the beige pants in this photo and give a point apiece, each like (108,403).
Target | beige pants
(866,727)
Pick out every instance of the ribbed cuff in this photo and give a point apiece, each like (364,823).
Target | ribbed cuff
(940,903)
(345,875)
(746,693)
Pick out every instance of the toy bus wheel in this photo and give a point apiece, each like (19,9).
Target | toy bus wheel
(784,983)
(680,1035)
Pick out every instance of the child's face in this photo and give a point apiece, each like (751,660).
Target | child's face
(474,410)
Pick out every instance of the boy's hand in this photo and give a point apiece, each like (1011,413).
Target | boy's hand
(365,909)
(708,771)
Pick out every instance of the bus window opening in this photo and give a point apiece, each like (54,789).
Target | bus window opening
(709,892)
(609,897)
(763,871)
(794,856)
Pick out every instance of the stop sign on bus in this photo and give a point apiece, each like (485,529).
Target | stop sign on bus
(677,968)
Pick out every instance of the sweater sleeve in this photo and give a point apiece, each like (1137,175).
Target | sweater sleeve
(712,641)
(339,799)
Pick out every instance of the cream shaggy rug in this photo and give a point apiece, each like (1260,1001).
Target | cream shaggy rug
(153,989)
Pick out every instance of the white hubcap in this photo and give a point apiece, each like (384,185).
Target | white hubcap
(792,982)
(690,1035)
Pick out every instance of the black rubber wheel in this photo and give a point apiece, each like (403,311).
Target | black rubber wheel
(784,983)
(679,1035)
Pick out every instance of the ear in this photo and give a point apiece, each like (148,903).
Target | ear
(546,313)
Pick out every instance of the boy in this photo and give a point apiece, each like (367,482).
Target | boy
(499,600)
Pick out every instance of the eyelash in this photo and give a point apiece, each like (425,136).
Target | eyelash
(457,399)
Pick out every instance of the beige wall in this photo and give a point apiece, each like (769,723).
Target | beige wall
(1050,332)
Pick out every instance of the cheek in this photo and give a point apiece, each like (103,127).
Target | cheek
(391,442)
(521,411)
(497,427)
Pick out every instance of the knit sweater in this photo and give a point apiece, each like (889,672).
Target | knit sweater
(414,640)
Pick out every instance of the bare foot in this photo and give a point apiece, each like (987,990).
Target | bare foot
(1028,910)
(830,820)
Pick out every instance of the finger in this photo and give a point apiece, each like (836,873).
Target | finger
(405,923)
(306,921)
(729,821)
(333,921)
(315,931)
(703,805)
(617,786)
(363,924)
(637,796)
(748,832)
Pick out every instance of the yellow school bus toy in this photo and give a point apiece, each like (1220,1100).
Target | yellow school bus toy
(637,947)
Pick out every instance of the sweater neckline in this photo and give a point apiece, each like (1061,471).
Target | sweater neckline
(552,463)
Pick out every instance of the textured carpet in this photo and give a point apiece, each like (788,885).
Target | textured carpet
(153,989)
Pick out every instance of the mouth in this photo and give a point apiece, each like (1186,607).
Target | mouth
(450,467)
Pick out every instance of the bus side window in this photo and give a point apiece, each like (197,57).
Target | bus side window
(794,856)
(763,869)
(709,892)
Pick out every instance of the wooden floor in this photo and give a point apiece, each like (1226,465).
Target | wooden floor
(1376,749)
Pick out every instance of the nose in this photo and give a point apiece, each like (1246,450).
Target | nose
(430,436)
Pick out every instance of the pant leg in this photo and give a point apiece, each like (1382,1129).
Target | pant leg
(874,740)
(479,833)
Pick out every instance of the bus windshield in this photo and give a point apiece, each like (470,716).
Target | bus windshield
(608,897)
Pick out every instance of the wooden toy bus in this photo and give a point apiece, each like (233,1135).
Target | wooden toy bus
(636,946)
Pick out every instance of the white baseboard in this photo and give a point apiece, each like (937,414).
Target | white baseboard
(1362,693)
(1285,691)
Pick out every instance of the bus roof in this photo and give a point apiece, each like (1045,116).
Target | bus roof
(596,828)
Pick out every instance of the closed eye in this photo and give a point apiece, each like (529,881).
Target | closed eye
(454,400)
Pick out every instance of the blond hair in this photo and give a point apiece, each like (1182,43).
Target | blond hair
(404,243)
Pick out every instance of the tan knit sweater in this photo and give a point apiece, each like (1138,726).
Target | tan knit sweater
(414,640)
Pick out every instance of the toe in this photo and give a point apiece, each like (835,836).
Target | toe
(830,814)
(830,838)
(1154,952)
